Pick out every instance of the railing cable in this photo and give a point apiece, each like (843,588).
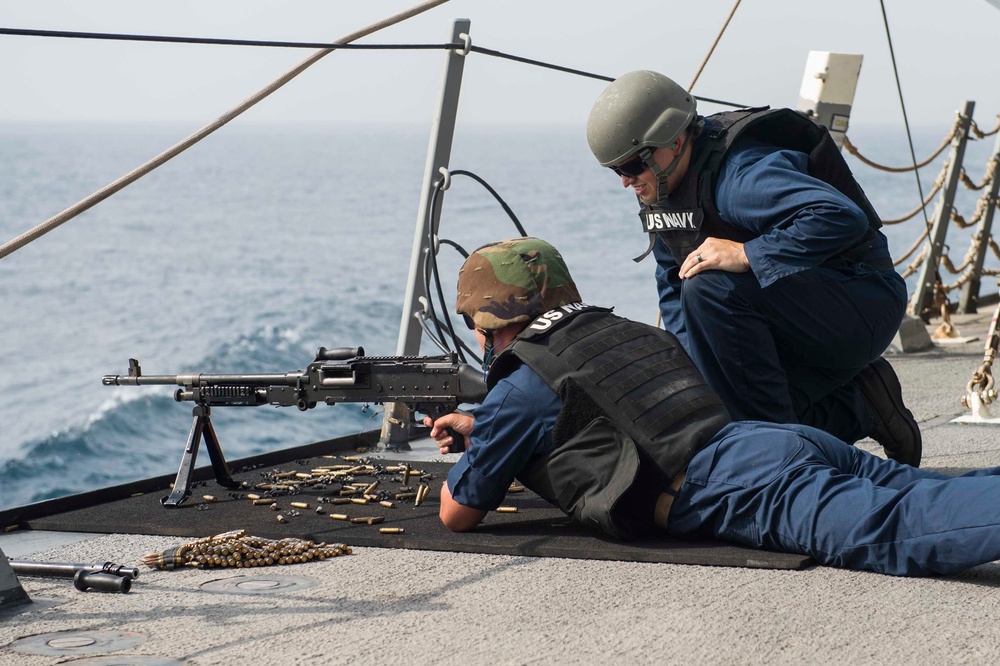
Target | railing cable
(344,44)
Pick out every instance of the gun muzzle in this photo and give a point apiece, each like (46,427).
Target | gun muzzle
(104,582)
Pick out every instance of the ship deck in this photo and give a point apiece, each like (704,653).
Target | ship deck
(428,602)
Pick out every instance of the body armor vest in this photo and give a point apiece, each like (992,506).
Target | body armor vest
(689,215)
(635,411)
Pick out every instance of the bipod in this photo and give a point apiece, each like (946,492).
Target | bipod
(201,428)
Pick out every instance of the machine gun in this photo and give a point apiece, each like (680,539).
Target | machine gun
(432,385)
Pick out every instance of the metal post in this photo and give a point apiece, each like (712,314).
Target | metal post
(395,425)
(923,294)
(970,291)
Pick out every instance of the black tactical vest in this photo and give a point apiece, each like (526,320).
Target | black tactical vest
(635,411)
(689,216)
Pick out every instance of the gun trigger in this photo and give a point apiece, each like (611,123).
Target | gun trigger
(133,368)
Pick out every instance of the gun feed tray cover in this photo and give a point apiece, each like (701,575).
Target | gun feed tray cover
(330,492)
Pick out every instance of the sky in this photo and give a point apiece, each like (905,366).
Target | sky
(942,50)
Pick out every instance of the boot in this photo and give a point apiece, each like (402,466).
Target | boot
(895,428)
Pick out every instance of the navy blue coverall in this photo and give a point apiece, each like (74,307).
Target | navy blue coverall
(788,488)
(782,342)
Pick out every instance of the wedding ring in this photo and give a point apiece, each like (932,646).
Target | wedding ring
(699,258)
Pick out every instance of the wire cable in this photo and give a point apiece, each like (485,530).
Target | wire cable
(214,41)
(902,104)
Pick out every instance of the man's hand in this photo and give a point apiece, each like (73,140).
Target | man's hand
(460,423)
(715,254)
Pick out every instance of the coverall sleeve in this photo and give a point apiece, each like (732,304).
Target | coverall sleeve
(513,425)
(801,220)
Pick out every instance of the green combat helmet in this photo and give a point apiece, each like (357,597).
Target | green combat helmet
(638,110)
(513,281)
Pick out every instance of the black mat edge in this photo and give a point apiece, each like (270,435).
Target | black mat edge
(540,531)
(19,516)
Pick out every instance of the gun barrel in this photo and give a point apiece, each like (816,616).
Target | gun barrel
(283,379)
(69,570)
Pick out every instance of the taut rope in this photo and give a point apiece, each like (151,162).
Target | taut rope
(183,145)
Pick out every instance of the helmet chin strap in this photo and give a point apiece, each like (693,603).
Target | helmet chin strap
(663,174)
(491,345)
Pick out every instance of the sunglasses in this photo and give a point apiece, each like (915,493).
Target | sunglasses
(631,169)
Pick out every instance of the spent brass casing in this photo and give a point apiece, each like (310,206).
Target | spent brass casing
(371,520)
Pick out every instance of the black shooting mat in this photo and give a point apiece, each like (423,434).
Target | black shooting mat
(536,528)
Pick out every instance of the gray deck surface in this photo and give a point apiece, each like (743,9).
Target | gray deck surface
(389,606)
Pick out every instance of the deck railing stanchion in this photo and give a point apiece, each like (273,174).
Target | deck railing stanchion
(395,425)
(923,294)
(969,301)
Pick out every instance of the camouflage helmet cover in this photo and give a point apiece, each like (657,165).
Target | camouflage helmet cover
(513,281)
(637,110)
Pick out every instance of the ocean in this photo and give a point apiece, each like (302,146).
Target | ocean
(262,243)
